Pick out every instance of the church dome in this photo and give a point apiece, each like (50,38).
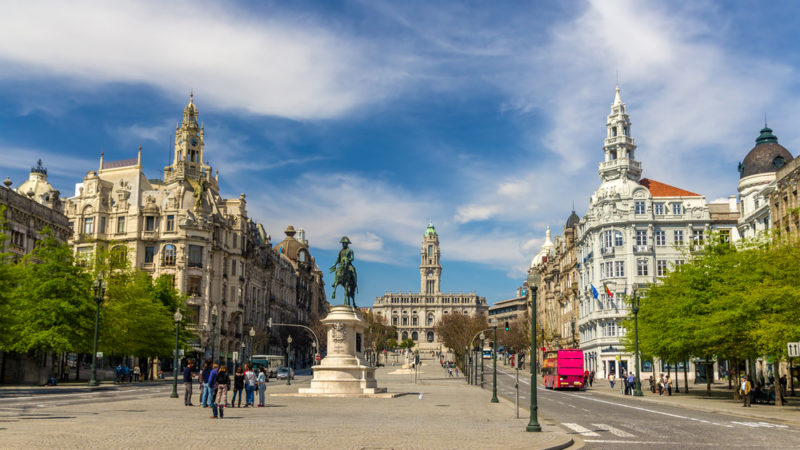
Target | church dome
(767,156)
(544,252)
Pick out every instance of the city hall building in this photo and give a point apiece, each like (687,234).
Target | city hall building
(415,314)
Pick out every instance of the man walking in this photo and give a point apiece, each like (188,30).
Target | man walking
(206,392)
(744,390)
(187,384)
(591,378)
(631,383)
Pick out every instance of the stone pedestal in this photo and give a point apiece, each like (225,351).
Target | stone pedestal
(343,372)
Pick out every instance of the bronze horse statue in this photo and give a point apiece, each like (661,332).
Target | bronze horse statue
(345,274)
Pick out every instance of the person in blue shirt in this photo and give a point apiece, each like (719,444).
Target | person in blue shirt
(206,392)
(212,383)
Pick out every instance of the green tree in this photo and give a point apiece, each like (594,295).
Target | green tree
(8,279)
(457,331)
(407,344)
(51,307)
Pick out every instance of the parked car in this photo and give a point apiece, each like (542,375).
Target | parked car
(285,372)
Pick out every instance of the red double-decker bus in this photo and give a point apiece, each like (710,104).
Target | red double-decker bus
(563,369)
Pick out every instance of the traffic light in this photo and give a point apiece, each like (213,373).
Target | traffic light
(506,325)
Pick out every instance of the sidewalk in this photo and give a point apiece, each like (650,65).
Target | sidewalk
(720,401)
(437,412)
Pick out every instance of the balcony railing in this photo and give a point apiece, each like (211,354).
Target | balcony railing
(643,249)
(607,251)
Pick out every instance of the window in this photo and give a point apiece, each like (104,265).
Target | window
(149,253)
(677,237)
(607,239)
(233,267)
(429,336)
(661,268)
(235,239)
(678,262)
(18,239)
(677,208)
(414,321)
(661,238)
(193,285)
(618,238)
(641,237)
(405,321)
(102,227)
(697,237)
(619,268)
(84,256)
(394,320)
(120,224)
(405,335)
(170,223)
(195,256)
(641,267)
(658,208)
(414,335)
(430,321)
(149,223)
(169,255)
(430,251)
(88,225)
(639,207)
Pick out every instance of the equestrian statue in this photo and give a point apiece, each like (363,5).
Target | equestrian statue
(345,274)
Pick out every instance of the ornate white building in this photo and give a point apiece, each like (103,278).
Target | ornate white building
(632,234)
(415,314)
(181,226)
(757,181)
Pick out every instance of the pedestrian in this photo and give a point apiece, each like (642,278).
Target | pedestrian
(126,373)
(449,372)
(136,372)
(782,382)
(585,378)
(669,385)
(661,384)
(118,374)
(591,375)
(238,386)
(187,384)
(652,384)
(631,383)
(206,392)
(223,385)
(611,380)
(456,371)
(745,390)
(212,383)
(249,385)
(262,386)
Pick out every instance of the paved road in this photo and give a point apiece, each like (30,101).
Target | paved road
(605,422)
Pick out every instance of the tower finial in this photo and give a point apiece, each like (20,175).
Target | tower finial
(765,120)
(139,157)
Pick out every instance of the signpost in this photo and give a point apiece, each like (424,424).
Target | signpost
(794,349)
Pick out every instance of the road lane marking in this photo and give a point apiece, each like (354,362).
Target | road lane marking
(626,442)
(615,431)
(580,430)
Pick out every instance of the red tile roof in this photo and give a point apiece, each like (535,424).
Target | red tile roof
(659,189)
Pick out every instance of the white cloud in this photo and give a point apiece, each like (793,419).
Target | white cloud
(274,65)
(57,163)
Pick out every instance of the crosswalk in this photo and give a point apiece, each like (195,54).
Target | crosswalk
(596,429)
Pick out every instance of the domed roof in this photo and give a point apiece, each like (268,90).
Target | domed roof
(573,220)
(544,252)
(767,156)
(431,230)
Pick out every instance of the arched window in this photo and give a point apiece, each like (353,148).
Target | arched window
(430,336)
(414,335)
(169,255)
(405,335)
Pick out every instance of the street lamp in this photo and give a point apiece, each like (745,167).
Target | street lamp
(252,336)
(494,363)
(213,330)
(635,306)
(314,347)
(178,316)
(533,285)
(241,358)
(289,360)
(480,352)
(99,292)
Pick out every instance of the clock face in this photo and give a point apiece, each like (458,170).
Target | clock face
(194,142)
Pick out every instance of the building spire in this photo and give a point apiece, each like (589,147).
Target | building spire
(139,156)
(617,98)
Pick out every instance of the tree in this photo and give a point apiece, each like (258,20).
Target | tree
(378,333)
(457,331)
(517,338)
(51,307)
(407,344)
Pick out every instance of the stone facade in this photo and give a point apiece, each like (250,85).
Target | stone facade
(415,314)
(510,309)
(30,208)
(181,226)
(783,202)
(634,231)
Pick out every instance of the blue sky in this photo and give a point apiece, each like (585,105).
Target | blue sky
(487,118)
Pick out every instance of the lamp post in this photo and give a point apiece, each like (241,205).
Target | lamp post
(213,330)
(494,363)
(178,316)
(241,358)
(252,336)
(533,424)
(314,358)
(483,337)
(99,292)
(289,360)
(637,392)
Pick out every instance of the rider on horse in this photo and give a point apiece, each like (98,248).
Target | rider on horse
(345,273)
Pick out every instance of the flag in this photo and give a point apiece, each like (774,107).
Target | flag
(608,292)
(594,291)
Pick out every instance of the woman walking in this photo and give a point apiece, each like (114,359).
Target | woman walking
(249,386)
(238,386)
(223,384)
(262,386)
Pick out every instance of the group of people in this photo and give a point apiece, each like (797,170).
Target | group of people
(662,385)
(124,374)
(216,383)
(588,378)
(761,392)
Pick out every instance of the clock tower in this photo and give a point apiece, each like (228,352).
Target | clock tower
(430,268)
(189,143)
